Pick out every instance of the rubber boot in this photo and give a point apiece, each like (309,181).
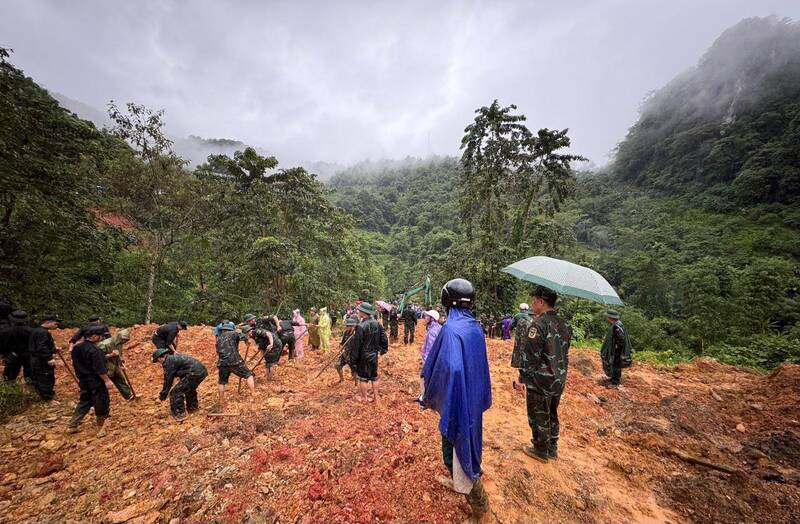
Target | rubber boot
(101,431)
(73,423)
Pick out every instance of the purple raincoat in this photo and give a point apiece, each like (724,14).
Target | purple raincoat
(433,331)
(507,328)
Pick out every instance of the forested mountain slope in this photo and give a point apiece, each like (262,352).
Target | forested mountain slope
(730,126)
(90,223)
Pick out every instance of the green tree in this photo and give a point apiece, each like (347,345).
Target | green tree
(512,180)
(151,188)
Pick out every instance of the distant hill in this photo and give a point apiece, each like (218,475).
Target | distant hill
(194,148)
(729,126)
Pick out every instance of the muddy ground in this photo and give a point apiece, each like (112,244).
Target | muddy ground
(701,442)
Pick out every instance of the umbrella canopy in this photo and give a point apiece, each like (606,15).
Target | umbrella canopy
(565,278)
(383,305)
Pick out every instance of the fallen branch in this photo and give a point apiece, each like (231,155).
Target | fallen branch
(222,414)
(702,462)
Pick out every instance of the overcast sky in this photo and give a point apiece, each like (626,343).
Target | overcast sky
(345,81)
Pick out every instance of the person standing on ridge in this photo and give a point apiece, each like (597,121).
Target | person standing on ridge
(409,324)
(616,350)
(458,387)
(544,372)
(349,330)
(519,326)
(313,328)
(300,330)
(393,323)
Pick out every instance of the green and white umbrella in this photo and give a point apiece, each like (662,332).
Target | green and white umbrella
(565,278)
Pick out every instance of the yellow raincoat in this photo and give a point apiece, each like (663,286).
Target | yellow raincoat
(324,330)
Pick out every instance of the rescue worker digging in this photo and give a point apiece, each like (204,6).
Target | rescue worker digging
(183,397)
(112,347)
(230,361)
(166,336)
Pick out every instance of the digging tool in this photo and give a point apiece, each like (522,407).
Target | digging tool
(331,361)
(58,352)
(246,355)
(125,374)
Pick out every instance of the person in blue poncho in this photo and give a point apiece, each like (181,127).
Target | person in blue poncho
(458,387)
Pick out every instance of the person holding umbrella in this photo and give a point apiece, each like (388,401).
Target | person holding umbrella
(544,372)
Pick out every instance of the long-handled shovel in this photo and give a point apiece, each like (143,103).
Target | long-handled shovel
(58,352)
(125,374)
(246,354)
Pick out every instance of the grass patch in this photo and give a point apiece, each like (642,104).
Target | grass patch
(14,399)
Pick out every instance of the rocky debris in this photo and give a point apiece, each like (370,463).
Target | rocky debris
(304,451)
(583,363)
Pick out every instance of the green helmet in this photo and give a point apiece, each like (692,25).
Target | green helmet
(160,352)
(248,317)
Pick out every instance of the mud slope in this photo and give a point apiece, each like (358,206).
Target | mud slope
(305,451)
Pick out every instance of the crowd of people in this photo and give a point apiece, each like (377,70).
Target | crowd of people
(454,377)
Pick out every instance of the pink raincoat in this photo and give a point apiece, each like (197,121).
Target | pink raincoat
(300,332)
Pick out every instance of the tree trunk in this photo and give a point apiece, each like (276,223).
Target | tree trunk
(151,289)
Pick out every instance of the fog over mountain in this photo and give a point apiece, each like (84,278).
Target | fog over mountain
(343,82)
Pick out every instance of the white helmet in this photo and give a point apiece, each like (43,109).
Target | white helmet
(524,307)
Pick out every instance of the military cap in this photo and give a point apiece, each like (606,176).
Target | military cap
(248,317)
(160,352)
(183,324)
(613,315)
(366,307)
(227,326)
(18,314)
(351,321)
(94,330)
(51,317)
(93,318)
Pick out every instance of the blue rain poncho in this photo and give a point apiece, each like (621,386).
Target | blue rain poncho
(458,387)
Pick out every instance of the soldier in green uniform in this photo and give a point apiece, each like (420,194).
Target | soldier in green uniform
(544,372)
(521,323)
(112,348)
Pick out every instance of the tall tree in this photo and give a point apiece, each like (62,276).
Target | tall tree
(511,181)
(152,188)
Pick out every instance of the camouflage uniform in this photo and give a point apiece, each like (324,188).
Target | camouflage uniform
(544,373)
(521,322)
(113,363)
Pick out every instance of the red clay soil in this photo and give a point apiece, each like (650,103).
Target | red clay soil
(304,451)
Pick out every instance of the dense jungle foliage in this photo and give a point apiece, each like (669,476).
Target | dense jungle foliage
(703,251)
(696,223)
(104,221)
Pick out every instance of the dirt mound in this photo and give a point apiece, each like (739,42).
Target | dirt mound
(701,442)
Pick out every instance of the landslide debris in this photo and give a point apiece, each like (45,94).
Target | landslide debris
(305,451)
